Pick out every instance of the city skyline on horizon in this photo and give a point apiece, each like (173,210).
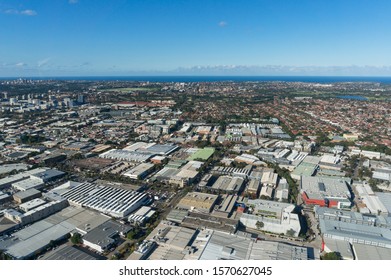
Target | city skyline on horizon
(211,38)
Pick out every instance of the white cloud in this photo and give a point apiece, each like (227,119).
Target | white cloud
(43,62)
(223,23)
(28,12)
(11,12)
(20,64)
(73,1)
(284,70)
(20,12)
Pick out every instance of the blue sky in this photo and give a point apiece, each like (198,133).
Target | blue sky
(144,37)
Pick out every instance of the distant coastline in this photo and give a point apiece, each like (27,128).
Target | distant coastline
(305,79)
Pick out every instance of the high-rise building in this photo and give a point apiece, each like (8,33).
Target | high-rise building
(81,99)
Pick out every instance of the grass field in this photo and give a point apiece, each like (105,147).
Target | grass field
(203,154)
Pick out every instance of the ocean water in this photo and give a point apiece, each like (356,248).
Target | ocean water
(306,79)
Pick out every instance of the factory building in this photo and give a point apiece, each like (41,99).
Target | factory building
(115,202)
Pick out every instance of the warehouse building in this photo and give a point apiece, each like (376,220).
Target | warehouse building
(4,197)
(66,252)
(304,169)
(24,196)
(253,188)
(175,173)
(232,171)
(198,201)
(35,213)
(325,192)
(173,243)
(29,205)
(28,184)
(105,235)
(115,202)
(140,171)
(42,175)
(141,216)
(282,191)
(226,207)
(371,201)
(33,239)
(196,220)
(125,155)
(224,246)
(228,184)
(354,227)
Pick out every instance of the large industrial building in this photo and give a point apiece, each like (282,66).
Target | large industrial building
(105,235)
(33,239)
(115,202)
(126,155)
(175,173)
(271,216)
(228,184)
(140,171)
(34,178)
(325,192)
(371,202)
(224,246)
(354,227)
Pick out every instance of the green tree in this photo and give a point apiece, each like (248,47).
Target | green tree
(291,232)
(76,238)
(259,225)
(331,256)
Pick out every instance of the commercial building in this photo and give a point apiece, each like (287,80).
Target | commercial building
(326,192)
(271,216)
(115,202)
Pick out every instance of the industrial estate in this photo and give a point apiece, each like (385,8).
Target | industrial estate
(94,170)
